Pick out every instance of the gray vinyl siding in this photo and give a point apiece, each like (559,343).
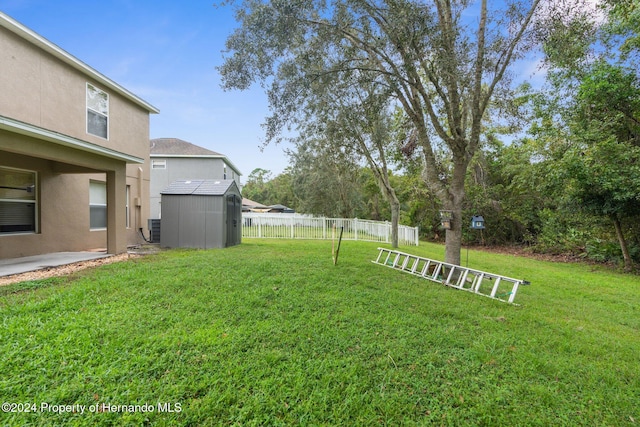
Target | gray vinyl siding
(179,168)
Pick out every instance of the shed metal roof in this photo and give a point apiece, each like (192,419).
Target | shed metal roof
(200,187)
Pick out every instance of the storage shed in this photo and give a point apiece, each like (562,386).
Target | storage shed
(201,214)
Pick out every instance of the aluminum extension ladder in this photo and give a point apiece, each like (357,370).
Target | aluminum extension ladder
(479,282)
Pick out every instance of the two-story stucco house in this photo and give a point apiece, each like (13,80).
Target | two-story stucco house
(74,151)
(173,159)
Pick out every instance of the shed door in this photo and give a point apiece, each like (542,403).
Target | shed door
(234,215)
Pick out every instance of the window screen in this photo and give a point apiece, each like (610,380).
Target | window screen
(97,205)
(97,112)
(17,201)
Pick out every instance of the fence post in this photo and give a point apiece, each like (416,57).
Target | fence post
(292,233)
(355,228)
(324,228)
(259,228)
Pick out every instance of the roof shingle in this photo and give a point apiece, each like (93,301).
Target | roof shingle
(178,147)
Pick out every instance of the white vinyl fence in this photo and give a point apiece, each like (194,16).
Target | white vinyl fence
(296,226)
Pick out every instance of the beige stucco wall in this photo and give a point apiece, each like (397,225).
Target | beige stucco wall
(41,90)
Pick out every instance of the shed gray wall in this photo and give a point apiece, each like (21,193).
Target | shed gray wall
(185,168)
(190,221)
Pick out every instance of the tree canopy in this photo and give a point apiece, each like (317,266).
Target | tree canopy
(440,66)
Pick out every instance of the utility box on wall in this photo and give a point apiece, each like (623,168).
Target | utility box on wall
(201,214)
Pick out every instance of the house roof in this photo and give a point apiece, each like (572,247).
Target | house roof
(281,208)
(174,147)
(200,187)
(59,53)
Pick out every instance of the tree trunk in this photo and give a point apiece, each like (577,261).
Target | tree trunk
(453,202)
(628,263)
(453,237)
(395,218)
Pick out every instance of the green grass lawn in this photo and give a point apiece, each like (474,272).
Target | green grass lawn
(272,333)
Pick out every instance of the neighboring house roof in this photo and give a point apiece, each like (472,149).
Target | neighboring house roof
(251,204)
(200,187)
(174,147)
(280,208)
(44,44)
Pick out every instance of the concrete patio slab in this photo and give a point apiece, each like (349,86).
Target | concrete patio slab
(12,266)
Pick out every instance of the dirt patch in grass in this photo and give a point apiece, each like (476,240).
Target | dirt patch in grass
(528,253)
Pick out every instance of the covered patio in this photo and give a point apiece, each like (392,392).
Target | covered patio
(11,266)
(62,168)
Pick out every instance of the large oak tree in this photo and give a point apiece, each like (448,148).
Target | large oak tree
(441,61)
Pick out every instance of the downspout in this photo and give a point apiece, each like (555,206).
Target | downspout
(139,199)
(139,207)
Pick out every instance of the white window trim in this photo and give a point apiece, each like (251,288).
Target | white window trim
(127,206)
(95,111)
(35,203)
(96,204)
(158,164)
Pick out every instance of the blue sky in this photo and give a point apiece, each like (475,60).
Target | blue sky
(166,53)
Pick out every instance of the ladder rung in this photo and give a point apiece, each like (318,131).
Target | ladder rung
(396,259)
(386,261)
(416,261)
(436,271)
(462,280)
(451,270)
(513,291)
(495,287)
(425,269)
(478,279)
(405,263)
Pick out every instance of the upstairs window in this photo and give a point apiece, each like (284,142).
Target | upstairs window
(97,112)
